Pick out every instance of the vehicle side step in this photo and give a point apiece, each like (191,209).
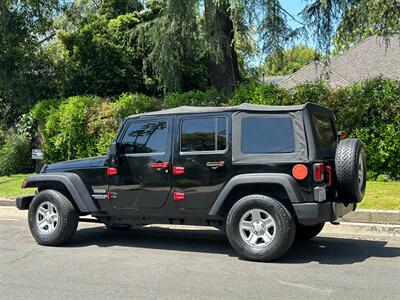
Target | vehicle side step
(89,220)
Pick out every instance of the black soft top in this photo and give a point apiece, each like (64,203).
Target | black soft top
(242,107)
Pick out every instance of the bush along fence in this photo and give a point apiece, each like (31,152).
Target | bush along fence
(84,126)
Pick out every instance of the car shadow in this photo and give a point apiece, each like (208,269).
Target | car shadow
(323,250)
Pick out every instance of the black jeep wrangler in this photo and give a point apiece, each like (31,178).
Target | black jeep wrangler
(266,175)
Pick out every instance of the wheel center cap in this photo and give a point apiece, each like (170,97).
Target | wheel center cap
(257,226)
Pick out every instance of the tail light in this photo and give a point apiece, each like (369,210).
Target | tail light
(329,172)
(319,169)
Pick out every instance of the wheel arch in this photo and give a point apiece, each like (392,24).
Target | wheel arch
(68,183)
(282,187)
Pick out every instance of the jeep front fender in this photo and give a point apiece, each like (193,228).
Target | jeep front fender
(72,183)
(284,180)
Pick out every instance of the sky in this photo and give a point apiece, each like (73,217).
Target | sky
(294,7)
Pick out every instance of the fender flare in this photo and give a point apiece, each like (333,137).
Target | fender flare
(285,180)
(72,182)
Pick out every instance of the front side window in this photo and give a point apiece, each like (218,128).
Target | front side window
(203,134)
(267,135)
(145,137)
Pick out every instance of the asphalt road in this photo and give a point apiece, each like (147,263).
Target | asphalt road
(190,264)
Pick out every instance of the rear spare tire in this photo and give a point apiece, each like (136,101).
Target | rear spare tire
(351,170)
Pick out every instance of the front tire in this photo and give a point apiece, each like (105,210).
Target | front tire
(52,218)
(260,228)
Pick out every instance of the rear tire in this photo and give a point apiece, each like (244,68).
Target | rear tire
(260,228)
(351,170)
(305,233)
(52,218)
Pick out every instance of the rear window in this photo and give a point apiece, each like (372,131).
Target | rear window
(325,132)
(267,135)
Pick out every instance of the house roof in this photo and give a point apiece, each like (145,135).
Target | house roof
(272,79)
(374,57)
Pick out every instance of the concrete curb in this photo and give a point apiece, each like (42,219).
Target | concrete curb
(7,202)
(373,216)
(367,230)
(359,230)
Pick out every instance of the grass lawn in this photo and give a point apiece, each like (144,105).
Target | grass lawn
(379,195)
(10,186)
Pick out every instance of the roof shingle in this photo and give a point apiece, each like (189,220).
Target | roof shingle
(372,58)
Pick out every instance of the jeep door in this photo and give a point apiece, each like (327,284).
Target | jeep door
(203,159)
(143,179)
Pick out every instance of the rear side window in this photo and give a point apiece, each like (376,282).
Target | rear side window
(267,135)
(325,132)
(204,134)
(145,137)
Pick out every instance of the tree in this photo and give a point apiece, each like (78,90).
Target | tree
(25,71)
(289,61)
(363,19)
(171,35)
(55,48)
(97,57)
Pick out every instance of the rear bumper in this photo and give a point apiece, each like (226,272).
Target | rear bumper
(313,213)
(23,203)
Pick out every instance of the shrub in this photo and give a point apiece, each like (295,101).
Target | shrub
(194,98)
(15,154)
(104,117)
(263,94)
(64,128)
(382,145)
(317,92)
(132,104)
(84,126)
(101,125)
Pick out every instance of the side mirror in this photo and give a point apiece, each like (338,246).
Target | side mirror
(112,157)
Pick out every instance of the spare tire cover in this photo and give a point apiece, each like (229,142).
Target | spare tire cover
(351,170)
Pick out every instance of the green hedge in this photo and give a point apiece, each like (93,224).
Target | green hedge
(209,97)
(84,126)
(15,147)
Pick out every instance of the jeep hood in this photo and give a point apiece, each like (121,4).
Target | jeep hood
(75,164)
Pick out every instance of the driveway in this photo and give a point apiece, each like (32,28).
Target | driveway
(155,262)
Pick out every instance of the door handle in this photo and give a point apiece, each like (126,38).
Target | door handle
(215,164)
(160,165)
